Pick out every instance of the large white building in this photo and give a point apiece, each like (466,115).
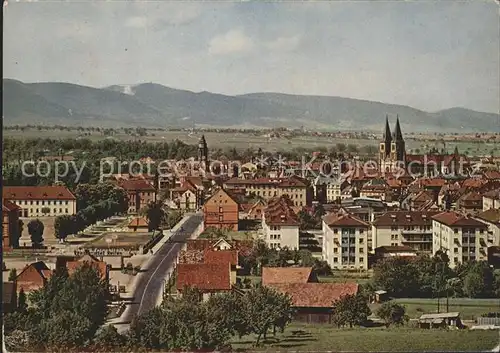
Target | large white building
(491,199)
(41,201)
(280,224)
(345,241)
(404,228)
(491,218)
(461,237)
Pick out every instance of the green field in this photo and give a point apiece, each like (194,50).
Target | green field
(469,309)
(245,140)
(302,337)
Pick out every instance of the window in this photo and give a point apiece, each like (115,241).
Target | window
(361,231)
(335,250)
(43,202)
(361,250)
(455,230)
(221,218)
(361,259)
(361,240)
(37,202)
(31,202)
(335,231)
(335,259)
(66,210)
(394,228)
(455,250)
(37,210)
(220,209)
(481,231)
(66,203)
(455,259)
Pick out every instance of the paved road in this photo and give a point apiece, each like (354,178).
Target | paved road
(150,283)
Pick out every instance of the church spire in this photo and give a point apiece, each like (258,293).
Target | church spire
(387,133)
(398,135)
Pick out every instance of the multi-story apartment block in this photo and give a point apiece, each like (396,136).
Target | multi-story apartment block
(41,201)
(345,241)
(462,238)
(404,228)
(491,218)
(280,224)
(297,189)
(491,199)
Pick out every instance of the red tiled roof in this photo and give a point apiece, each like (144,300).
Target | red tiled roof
(136,185)
(315,295)
(279,211)
(471,196)
(343,220)
(199,244)
(37,193)
(205,277)
(492,174)
(493,194)
(8,206)
(138,222)
(272,275)
(456,219)
(221,257)
(404,218)
(293,181)
(492,215)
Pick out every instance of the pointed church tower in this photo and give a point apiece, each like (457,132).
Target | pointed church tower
(385,145)
(398,150)
(203,153)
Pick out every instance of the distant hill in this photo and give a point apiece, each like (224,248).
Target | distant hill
(154,105)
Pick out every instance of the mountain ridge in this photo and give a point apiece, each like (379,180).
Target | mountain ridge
(155,105)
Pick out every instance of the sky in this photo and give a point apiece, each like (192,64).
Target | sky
(430,55)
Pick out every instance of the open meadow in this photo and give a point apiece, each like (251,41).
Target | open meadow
(303,337)
(240,140)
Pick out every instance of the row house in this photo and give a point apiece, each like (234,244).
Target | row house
(463,238)
(280,224)
(10,225)
(328,189)
(345,241)
(297,189)
(213,272)
(33,276)
(491,218)
(140,193)
(41,201)
(375,189)
(221,210)
(189,195)
(491,199)
(404,228)
(470,202)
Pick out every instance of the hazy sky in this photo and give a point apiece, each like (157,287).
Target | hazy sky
(429,55)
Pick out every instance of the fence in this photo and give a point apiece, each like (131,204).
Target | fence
(488,321)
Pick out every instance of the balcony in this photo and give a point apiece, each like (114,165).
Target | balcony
(413,241)
(417,231)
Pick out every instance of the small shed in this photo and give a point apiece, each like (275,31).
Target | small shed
(440,320)
(379,296)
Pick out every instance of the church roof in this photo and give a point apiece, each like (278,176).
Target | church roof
(398,135)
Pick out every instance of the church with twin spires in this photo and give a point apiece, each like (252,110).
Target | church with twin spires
(392,152)
(392,156)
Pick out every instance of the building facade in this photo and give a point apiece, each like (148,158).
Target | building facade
(41,201)
(404,228)
(280,224)
(10,225)
(345,241)
(491,199)
(392,152)
(297,189)
(140,193)
(461,237)
(221,211)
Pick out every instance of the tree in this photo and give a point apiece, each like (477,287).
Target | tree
(35,230)
(108,337)
(350,309)
(22,305)
(63,226)
(266,309)
(12,275)
(306,220)
(155,215)
(398,276)
(392,313)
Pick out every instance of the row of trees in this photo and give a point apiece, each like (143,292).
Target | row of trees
(66,312)
(96,203)
(432,277)
(261,255)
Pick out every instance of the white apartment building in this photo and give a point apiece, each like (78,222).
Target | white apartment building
(41,201)
(327,188)
(462,238)
(404,228)
(491,199)
(345,241)
(491,218)
(280,224)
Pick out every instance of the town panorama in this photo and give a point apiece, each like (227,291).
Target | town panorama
(251,176)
